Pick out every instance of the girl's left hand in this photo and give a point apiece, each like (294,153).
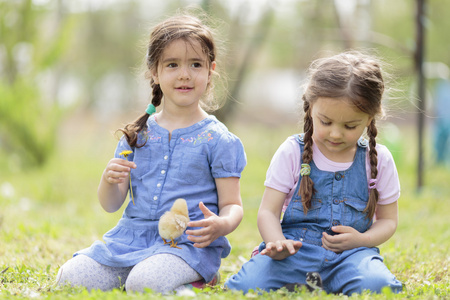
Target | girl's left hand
(348,238)
(282,249)
(210,230)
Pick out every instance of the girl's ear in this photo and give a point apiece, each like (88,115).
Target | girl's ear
(213,67)
(369,121)
(155,76)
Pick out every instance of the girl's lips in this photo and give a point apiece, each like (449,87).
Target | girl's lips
(183,91)
(334,143)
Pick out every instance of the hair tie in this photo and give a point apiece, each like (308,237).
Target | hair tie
(305,170)
(150,109)
(372,184)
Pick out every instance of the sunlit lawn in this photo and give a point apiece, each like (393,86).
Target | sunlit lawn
(47,214)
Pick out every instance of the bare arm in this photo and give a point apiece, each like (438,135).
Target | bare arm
(277,246)
(385,225)
(230,203)
(230,214)
(381,230)
(269,215)
(114,184)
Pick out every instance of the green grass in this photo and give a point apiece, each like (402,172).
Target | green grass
(47,214)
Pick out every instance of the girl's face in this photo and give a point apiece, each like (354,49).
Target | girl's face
(337,127)
(183,74)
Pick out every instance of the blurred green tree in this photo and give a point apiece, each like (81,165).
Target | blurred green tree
(31,43)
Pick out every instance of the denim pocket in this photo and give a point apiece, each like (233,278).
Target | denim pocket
(144,156)
(355,216)
(194,167)
(142,165)
(297,214)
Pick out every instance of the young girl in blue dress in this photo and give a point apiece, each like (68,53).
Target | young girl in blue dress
(179,152)
(337,192)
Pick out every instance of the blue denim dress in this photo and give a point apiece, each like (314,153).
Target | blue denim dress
(340,199)
(183,167)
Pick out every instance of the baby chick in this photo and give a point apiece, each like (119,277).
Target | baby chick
(173,223)
(313,283)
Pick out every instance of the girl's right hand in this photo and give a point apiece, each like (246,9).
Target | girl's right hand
(117,170)
(282,249)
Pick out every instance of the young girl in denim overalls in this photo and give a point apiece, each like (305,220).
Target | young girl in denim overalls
(337,192)
(178,152)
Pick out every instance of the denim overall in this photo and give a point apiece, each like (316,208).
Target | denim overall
(340,199)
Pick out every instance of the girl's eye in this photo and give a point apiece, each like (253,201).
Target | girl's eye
(325,123)
(350,127)
(196,65)
(172,65)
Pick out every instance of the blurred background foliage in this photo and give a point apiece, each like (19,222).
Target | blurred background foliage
(73,62)
(71,74)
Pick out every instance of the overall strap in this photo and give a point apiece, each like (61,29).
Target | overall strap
(300,138)
(362,142)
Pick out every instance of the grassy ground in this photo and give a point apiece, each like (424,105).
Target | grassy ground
(47,214)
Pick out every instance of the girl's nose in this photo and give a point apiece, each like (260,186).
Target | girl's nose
(184,73)
(335,133)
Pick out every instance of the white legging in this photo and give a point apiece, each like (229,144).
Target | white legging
(161,273)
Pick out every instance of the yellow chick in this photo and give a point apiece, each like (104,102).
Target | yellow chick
(173,223)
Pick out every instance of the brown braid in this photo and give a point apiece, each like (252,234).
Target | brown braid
(306,190)
(157,95)
(373,193)
(131,130)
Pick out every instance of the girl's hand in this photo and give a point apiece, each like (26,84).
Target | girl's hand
(117,170)
(113,187)
(282,249)
(210,231)
(348,238)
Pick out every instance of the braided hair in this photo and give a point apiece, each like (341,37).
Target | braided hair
(356,77)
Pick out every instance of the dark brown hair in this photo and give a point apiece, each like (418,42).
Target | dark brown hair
(356,77)
(184,27)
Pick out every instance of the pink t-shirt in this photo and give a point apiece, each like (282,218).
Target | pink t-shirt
(284,171)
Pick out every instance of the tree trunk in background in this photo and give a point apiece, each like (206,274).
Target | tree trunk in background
(418,59)
(252,48)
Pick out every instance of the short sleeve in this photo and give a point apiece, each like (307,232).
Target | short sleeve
(283,172)
(388,184)
(122,146)
(228,157)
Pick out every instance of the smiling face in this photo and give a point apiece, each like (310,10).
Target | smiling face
(337,127)
(183,74)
